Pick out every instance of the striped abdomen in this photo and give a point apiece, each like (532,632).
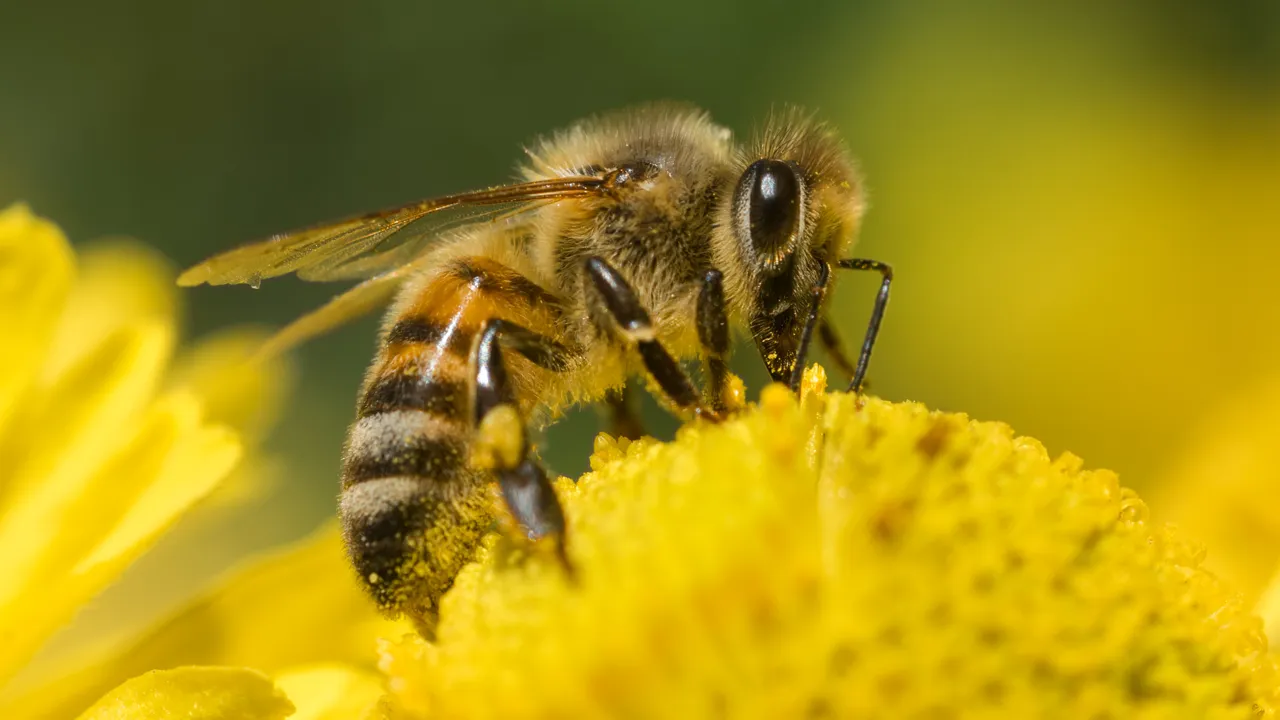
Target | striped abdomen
(412,508)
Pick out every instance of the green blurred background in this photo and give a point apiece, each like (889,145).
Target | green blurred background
(1081,202)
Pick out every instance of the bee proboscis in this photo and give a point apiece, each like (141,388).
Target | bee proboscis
(633,241)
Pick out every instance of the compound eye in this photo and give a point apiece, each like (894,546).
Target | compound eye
(773,207)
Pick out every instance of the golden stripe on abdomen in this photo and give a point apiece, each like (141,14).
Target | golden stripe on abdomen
(405,443)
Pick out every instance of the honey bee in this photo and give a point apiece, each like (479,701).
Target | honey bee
(632,241)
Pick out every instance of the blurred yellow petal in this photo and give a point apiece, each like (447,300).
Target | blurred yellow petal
(1224,486)
(171,463)
(118,283)
(75,423)
(97,464)
(196,461)
(36,269)
(299,606)
(330,692)
(868,560)
(53,457)
(239,388)
(194,693)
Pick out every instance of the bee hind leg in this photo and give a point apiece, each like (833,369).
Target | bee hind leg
(620,301)
(502,443)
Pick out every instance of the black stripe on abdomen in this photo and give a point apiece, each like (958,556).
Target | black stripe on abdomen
(413,391)
(423,330)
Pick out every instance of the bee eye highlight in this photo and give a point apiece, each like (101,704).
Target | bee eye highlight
(773,207)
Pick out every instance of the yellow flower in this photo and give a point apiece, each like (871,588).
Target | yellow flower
(104,447)
(815,559)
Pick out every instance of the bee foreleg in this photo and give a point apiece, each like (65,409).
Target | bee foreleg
(524,484)
(633,321)
(713,333)
(877,314)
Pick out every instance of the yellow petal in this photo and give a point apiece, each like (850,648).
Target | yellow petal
(52,457)
(120,282)
(74,424)
(65,542)
(300,606)
(36,268)
(1268,608)
(240,389)
(200,456)
(330,692)
(1224,486)
(193,693)
(244,390)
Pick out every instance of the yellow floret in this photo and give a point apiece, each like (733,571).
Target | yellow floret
(841,558)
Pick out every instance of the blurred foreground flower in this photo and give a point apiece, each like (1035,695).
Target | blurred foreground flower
(104,446)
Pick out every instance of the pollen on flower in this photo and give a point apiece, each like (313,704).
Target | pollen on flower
(837,557)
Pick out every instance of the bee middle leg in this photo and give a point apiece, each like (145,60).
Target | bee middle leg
(633,320)
(713,334)
(500,429)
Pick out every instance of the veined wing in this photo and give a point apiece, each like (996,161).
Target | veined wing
(408,244)
(358,246)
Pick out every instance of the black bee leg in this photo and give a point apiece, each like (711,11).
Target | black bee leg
(623,420)
(713,333)
(501,438)
(877,314)
(816,294)
(538,348)
(834,346)
(633,321)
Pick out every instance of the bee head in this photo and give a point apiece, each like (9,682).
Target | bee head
(795,208)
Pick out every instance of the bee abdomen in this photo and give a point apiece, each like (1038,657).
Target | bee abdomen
(393,528)
(406,477)
(413,509)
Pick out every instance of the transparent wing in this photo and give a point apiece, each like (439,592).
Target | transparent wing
(370,295)
(409,243)
(346,249)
